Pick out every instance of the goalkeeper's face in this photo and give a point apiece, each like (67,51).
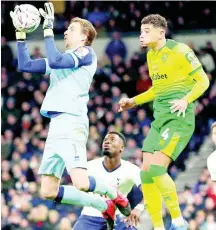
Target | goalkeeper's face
(74,36)
(151,35)
(112,146)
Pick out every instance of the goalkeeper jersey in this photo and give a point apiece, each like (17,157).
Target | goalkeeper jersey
(171,69)
(68,91)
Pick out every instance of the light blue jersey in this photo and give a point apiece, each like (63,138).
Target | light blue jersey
(69,87)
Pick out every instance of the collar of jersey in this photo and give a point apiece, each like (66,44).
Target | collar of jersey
(112,169)
(164,46)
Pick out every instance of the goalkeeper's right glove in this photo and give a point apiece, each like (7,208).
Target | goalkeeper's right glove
(20,35)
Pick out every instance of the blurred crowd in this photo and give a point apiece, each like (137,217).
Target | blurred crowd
(24,133)
(199,204)
(110,16)
(24,130)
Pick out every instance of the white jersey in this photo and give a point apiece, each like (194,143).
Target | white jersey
(123,177)
(69,88)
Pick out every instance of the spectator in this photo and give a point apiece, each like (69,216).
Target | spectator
(65,224)
(116,47)
(207,60)
(97,16)
(144,83)
(36,53)
(24,130)
(6,54)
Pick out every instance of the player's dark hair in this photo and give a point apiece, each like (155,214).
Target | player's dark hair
(156,20)
(87,28)
(120,135)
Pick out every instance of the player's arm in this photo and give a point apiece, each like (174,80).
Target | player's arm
(57,60)
(80,57)
(201,85)
(148,96)
(193,68)
(129,103)
(145,97)
(195,71)
(135,197)
(25,64)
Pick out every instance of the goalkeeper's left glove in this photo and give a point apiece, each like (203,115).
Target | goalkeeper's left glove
(48,15)
(20,35)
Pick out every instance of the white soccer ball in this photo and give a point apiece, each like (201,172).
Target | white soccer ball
(26,18)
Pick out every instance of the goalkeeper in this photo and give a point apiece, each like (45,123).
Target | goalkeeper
(178,80)
(65,103)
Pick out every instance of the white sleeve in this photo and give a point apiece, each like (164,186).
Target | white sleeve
(92,168)
(48,69)
(135,174)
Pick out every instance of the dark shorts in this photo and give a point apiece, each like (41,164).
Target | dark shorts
(85,222)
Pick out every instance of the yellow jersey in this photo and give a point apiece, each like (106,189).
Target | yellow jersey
(171,69)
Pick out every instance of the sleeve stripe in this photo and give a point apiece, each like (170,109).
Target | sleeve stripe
(76,61)
(195,70)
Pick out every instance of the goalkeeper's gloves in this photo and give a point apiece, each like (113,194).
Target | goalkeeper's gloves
(20,35)
(48,16)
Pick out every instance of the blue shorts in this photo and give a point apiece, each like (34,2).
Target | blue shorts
(65,145)
(85,222)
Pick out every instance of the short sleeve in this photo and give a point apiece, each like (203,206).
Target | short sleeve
(48,69)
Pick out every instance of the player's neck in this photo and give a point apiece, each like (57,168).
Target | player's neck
(75,46)
(111,163)
(160,44)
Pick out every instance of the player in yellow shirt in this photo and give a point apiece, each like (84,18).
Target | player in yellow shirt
(178,80)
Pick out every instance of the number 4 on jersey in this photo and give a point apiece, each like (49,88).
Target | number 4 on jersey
(165,134)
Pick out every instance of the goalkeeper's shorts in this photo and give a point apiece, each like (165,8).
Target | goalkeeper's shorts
(170,134)
(65,145)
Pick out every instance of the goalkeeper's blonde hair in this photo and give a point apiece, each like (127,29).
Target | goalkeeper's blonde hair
(87,29)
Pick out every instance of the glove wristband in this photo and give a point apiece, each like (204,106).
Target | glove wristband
(48,33)
(20,35)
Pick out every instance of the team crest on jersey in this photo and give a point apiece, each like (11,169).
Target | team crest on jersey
(81,52)
(164,57)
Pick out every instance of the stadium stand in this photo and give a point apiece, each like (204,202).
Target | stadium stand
(24,130)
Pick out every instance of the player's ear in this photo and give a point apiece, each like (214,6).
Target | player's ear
(84,37)
(162,34)
(122,148)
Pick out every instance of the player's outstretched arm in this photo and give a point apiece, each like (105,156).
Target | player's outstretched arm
(25,64)
(145,97)
(129,103)
(56,59)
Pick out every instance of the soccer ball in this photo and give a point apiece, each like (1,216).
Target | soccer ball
(26,18)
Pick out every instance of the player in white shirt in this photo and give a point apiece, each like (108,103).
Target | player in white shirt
(117,173)
(211,161)
(65,103)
